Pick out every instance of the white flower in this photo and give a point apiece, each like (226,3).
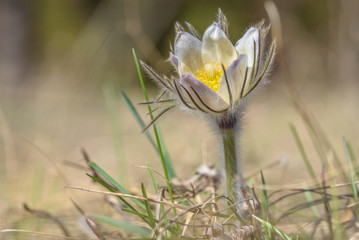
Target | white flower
(215,77)
(214,74)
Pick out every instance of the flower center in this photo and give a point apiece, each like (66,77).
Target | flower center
(210,75)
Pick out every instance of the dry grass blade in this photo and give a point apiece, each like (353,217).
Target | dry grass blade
(179,206)
(78,208)
(9,230)
(155,171)
(271,165)
(44,214)
(175,219)
(95,229)
(282,188)
(188,220)
(326,202)
(92,225)
(158,210)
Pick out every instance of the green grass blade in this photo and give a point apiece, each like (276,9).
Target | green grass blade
(111,102)
(130,208)
(138,118)
(125,226)
(108,177)
(167,165)
(264,192)
(337,212)
(352,157)
(264,206)
(111,190)
(310,199)
(303,153)
(148,206)
(165,168)
(144,217)
(273,228)
(155,187)
(351,173)
(115,183)
(129,104)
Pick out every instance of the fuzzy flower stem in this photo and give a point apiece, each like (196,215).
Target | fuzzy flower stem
(230,160)
(228,128)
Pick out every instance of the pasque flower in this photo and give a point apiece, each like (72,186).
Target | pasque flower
(216,78)
(215,75)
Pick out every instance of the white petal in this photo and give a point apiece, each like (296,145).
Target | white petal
(174,60)
(188,50)
(216,47)
(245,45)
(202,96)
(184,69)
(235,74)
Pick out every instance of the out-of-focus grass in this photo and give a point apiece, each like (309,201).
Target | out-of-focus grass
(266,127)
(48,120)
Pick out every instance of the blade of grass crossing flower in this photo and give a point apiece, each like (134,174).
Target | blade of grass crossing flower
(129,104)
(155,187)
(115,183)
(352,174)
(273,228)
(303,153)
(167,165)
(148,207)
(310,199)
(125,226)
(165,169)
(139,120)
(113,110)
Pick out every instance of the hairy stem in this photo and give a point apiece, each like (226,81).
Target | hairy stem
(231,163)
(233,177)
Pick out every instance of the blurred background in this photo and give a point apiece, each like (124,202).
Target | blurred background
(64,63)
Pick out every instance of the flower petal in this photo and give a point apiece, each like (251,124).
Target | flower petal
(216,47)
(187,49)
(202,96)
(245,45)
(174,60)
(235,74)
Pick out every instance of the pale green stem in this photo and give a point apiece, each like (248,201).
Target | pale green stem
(234,178)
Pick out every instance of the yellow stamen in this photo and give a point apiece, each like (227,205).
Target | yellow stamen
(210,75)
